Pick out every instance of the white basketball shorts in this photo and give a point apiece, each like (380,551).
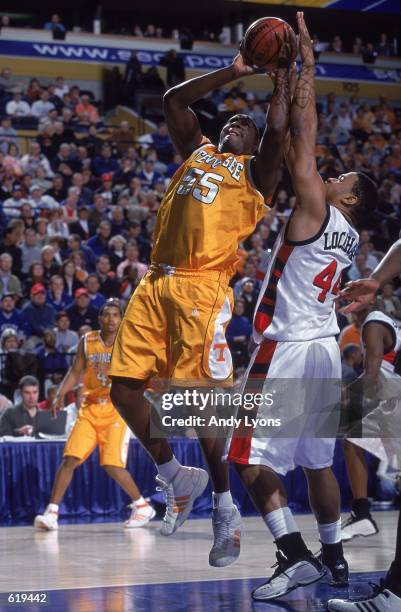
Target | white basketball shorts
(298,423)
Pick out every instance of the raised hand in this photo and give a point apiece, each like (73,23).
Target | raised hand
(359,293)
(241,67)
(288,48)
(305,42)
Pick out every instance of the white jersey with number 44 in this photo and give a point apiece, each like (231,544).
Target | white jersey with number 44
(296,300)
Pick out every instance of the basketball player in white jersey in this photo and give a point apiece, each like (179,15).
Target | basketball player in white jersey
(382,340)
(295,325)
(387,596)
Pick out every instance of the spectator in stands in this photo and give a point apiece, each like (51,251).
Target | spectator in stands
(8,135)
(10,315)
(56,296)
(81,312)
(116,246)
(52,364)
(152,81)
(18,108)
(65,163)
(99,244)
(50,266)
(66,338)
(85,194)
(148,176)
(41,107)
(175,68)
(249,295)
(57,226)
(106,188)
(12,205)
(104,163)
(383,47)
(9,282)
(358,266)
(61,88)
(238,333)
(8,82)
(57,191)
(132,261)
(351,334)
(254,111)
(358,47)
(352,357)
(123,136)
(35,276)
(36,314)
(87,109)
(92,284)
(369,54)
(106,276)
(30,249)
(35,158)
(21,420)
(389,303)
(55,24)
(336,45)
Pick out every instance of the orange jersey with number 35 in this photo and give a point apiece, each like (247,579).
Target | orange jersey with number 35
(96,380)
(210,206)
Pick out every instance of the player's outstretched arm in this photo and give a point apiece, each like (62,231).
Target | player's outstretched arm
(71,379)
(363,291)
(269,157)
(301,160)
(373,339)
(182,122)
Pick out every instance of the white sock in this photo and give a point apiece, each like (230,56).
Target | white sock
(280,522)
(330,533)
(140,501)
(52,508)
(168,470)
(222,500)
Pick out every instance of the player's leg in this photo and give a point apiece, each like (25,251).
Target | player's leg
(113,438)
(325,502)
(386,597)
(81,442)
(360,522)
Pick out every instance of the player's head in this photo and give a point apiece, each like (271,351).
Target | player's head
(110,315)
(239,136)
(353,192)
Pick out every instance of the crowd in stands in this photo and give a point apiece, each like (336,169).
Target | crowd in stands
(78,205)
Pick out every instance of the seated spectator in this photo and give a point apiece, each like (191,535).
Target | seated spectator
(66,338)
(9,282)
(99,244)
(61,87)
(71,283)
(104,163)
(249,295)
(41,107)
(351,334)
(35,276)
(41,181)
(52,364)
(81,227)
(148,176)
(81,312)
(85,194)
(389,303)
(336,45)
(109,286)
(369,54)
(41,230)
(78,259)
(106,189)
(17,107)
(351,363)
(85,107)
(92,285)
(118,222)
(51,392)
(383,47)
(355,272)
(124,137)
(38,315)
(12,205)
(10,315)
(35,158)
(50,266)
(8,82)
(57,191)
(56,296)
(57,226)
(8,134)
(12,160)
(65,163)
(21,420)
(129,283)
(55,24)
(131,260)
(238,333)
(116,246)
(152,81)
(39,202)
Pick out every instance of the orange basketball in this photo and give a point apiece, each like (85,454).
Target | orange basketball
(260,46)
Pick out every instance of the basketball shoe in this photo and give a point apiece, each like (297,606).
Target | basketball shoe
(48,521)
(381,600)
(181,492)
(290,575)
(227,525)
(140,516)
(338,572)
(355,526)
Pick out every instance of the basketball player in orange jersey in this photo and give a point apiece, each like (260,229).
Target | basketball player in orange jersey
(174,326)
(98,423)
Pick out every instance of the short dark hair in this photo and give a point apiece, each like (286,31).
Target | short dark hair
(111,303)
(349,350)
(365,190)
(28,381)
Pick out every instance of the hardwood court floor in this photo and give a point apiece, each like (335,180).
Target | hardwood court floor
(87,556)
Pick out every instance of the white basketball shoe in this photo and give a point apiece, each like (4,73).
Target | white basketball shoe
(140,516)
(48,521)
(381,600)
(227,526)
(354,527)
(181,492)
